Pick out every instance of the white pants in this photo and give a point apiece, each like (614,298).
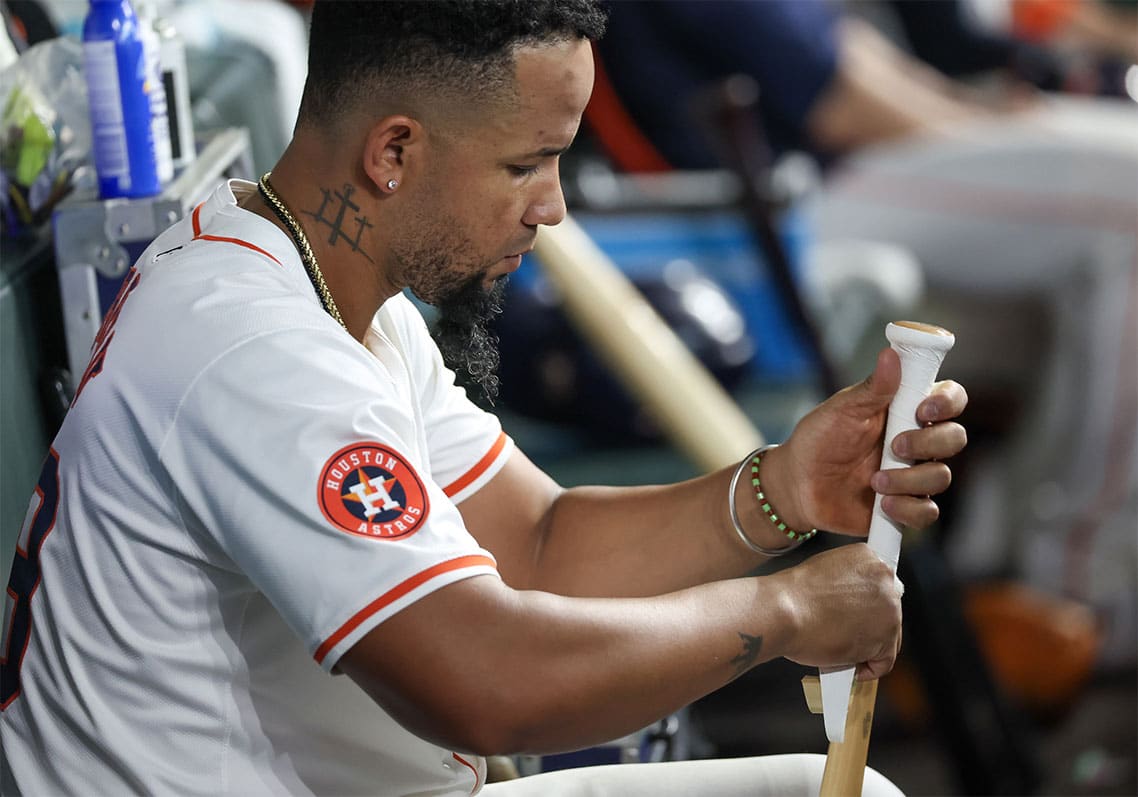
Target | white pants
(1032,210)
(776,776)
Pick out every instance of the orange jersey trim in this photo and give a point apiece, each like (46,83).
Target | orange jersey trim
(196,219)
(473,769)
(395,593)
(468,478)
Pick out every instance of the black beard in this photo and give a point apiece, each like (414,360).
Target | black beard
(467,346)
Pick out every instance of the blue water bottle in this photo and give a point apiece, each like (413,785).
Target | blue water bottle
(129,126)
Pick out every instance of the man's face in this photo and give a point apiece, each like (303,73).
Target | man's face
(483,193)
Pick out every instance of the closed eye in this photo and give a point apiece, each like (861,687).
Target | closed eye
(522,171)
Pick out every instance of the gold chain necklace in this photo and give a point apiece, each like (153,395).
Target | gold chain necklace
(307,256)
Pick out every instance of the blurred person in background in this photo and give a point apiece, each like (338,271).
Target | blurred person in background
(1073,46)
(1021,208)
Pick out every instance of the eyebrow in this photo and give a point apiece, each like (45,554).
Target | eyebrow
(546,152)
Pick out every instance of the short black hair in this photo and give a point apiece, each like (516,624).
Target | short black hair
(465,47)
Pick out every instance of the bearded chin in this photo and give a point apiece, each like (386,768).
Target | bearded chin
(468,347)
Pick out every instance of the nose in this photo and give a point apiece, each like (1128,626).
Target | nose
(548,207)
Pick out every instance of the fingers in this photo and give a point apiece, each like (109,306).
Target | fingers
(875,392)
(911,510)
(947,400)
(872,670)
(886,376)
(923,479)
(939,441)
(879,665)
(906,491)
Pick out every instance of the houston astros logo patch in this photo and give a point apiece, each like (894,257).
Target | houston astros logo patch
(369,490)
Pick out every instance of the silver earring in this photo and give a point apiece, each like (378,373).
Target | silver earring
(392,185)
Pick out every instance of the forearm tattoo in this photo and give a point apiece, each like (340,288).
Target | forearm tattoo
(749,654)
(339,204)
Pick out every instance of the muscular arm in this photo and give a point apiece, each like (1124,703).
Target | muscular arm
(497,666)
(636,541)
(535,672)
(481,667)
(612,541)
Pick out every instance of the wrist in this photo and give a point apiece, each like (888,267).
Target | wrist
(754,512)
(780,488)
(783,598)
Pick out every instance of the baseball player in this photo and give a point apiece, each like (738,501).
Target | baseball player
(275,549)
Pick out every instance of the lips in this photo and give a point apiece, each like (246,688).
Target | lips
(527,247)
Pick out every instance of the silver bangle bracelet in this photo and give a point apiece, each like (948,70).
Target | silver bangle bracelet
(735,511)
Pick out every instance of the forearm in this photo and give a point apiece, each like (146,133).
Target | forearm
(673,650)
(651,540)
(554,673)
(879,94)
(621,542)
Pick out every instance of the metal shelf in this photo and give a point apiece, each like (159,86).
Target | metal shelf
(96,241)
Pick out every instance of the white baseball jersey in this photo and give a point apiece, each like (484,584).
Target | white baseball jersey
(239,492)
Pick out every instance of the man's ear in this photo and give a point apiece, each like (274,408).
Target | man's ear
(387,148)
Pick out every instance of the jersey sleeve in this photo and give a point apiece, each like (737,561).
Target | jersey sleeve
(466,444)
(296,454)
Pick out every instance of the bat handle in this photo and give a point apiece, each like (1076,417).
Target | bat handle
(921,348)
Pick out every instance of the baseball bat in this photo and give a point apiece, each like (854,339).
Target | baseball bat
(847,709)
(643,352)
(846,760)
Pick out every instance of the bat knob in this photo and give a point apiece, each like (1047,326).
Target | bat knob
(914,334)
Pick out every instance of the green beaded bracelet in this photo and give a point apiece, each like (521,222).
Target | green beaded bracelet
(796,537)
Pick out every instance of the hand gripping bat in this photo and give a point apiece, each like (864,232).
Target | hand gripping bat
(847,708)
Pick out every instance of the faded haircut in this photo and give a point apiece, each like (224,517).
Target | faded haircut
(457,48)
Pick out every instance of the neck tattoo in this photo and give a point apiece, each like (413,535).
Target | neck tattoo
(307,256)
